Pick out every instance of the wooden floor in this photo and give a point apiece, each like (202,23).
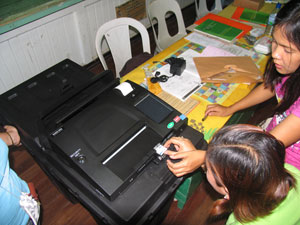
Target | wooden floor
(57,210)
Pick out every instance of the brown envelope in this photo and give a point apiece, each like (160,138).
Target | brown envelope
(233,69)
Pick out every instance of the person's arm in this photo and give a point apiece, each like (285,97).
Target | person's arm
(191,158)
(10,136)
(258,95)
(288,131)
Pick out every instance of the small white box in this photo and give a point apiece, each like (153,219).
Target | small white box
(263,45)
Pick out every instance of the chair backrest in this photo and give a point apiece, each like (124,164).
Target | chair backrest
(157,10)
(117,35)
(201,7)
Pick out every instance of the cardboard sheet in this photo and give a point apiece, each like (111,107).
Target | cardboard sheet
(235,69)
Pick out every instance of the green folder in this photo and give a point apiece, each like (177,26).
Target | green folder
(254,16)
(218,29)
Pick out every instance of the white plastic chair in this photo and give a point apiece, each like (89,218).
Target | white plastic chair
(201,8)
(116,33)
(157,10)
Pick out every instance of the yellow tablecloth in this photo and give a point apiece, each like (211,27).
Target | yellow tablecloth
(212,123)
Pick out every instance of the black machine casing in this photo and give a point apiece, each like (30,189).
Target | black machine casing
(96,144)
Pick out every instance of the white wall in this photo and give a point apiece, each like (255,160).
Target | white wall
(69,33)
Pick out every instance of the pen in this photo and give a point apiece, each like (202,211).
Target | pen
(204,118)
(188,94)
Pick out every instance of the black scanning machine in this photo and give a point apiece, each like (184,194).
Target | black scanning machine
(96,143)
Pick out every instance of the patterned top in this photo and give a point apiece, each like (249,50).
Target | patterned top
(293,151)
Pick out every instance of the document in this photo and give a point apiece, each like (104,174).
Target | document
(218,30)
(183,86)
(213,51)
(206,41)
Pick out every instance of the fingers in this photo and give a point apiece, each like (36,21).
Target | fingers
(178,169)
(217,110)
(170,153)
(181,144)
(185,149)
(190,161)
(174,140)
(211,106)
(9,128)
(211,109)
(13,132)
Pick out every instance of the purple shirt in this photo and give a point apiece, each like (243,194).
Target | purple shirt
(292,155)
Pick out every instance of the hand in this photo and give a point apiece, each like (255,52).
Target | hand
(190,161)
(191,158)
(181,144)
(218,110)
(13,132)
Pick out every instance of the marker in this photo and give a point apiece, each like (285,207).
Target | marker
(204,118)
(190,92)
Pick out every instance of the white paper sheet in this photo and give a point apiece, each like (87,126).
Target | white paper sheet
(206,41)
(187,83)
(214,51)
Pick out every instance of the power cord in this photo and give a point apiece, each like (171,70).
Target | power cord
(177,66)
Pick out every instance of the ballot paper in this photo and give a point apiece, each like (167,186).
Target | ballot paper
(187,83)
(206,41)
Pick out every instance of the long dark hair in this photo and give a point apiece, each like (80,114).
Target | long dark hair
(250,164)
(288,20)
